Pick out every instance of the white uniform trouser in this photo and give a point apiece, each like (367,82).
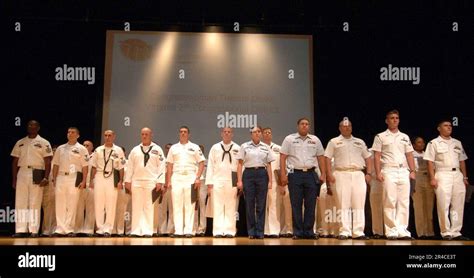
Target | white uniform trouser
(326,213)
(224,198)
(85,216)
(423,204)
(105,202)
(200,219)
(28,199)
(49,210)
(350,190)
(122,202)
(376,206)
(183,209)
(142,209)
(165,224)
(450,196)
(396,201)
(67,195)
(284,211)
(272,219)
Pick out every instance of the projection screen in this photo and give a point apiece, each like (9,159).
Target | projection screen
(206,81)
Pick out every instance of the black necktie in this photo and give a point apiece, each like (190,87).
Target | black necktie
(146,155)
(227,152)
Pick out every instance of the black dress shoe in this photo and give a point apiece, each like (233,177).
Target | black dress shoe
(461,238)
(259,237)
(405,238)
(272,236)
(315,236)
(218,236)
(34,235)
(297,237)
(106,234)
(376,236)
(361,238)
(342,237)
(188,235)
(229,236)
(19,235)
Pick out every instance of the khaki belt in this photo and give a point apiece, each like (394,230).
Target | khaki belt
(348,169)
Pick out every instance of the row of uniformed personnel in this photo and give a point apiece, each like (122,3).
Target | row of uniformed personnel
(345,167)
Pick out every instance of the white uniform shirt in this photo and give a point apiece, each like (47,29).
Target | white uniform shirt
(154,171)
(113,156)
(32,151)
(347,153)
(185,158)
(221,164)
(420,163)
(255,155)
(71,158)
(393,147)
(302,152)
(445,153)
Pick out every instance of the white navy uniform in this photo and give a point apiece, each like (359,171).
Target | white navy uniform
(222,161)
(144,175)
(28,196)
(185,158)
(70,160)
(350,188)
(105,161)
(423,198)
(395,171)
(451,191)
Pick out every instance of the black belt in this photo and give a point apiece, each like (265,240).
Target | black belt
(254,168)
(305,170)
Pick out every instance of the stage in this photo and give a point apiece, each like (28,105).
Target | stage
(210,241)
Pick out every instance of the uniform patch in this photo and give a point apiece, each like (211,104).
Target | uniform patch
(311,142)
(123,161)
(76,151)
(154,151)
(21,145)
(48,149)
(339,143)
(114,155)
(235,151)
(358,143)
(38,145)
(191,149)
(86,157)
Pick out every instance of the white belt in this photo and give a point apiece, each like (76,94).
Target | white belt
(393,165)
(447,169)
(32,167)
(62,173)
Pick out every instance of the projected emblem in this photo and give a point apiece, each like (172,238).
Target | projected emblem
(135,49)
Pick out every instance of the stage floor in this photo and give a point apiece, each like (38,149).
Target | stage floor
(238,241)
